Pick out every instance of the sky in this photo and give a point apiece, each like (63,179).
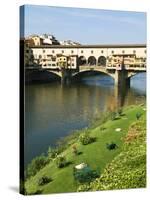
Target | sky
(86,26)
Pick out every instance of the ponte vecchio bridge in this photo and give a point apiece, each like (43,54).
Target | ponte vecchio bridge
(121,62)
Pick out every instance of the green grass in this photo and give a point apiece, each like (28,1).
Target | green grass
(128,169)
(96,155)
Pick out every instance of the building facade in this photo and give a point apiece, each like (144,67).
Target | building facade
(91,55)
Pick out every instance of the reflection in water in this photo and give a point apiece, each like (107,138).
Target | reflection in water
(53,111)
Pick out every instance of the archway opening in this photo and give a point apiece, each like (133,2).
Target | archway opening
(102,61)
(41,76)
(91,60)
(94,77)
(81,61)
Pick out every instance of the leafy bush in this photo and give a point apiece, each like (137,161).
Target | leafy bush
(61,161)
(138,115)
(113,115)
(35,165)
(75,150)
(44,180)
(102,128)
(85,175)
(120,111)
(111,146)
(83,188)
(52,153)
(86,139)
(68,140)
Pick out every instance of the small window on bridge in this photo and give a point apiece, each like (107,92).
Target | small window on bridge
(53,59)
(53,51)
(134,51)
(92,51)
(43,51)
(123,51)
(82,51)
(145,51)
(62,51)
(112,52)
(102,51)
(72,51)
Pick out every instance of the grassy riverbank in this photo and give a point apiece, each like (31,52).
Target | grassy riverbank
(95,154)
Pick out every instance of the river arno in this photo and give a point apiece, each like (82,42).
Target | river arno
(53,111)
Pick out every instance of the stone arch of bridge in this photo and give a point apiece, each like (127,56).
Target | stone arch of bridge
(57,73)
(81,72)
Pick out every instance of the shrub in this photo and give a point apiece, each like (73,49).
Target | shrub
(35,165)
(61,161)
(111,146)
(75,150)
(44,180)
(68,140)
(138,115)
(52,153)
(120,111)
(113,115)
(85,175)
(86,139)
(83,188)
(102,128)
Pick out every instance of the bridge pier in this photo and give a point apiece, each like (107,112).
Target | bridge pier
(128,82)
(121,78)
(66,76)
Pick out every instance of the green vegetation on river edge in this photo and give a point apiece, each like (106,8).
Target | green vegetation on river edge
(119,168)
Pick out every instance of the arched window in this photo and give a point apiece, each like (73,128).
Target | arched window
(92,60)
(102,61)
(81,60)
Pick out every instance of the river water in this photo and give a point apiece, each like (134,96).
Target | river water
(52,111)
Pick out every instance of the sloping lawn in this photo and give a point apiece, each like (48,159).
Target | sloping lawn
(96,155)
(128,169)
